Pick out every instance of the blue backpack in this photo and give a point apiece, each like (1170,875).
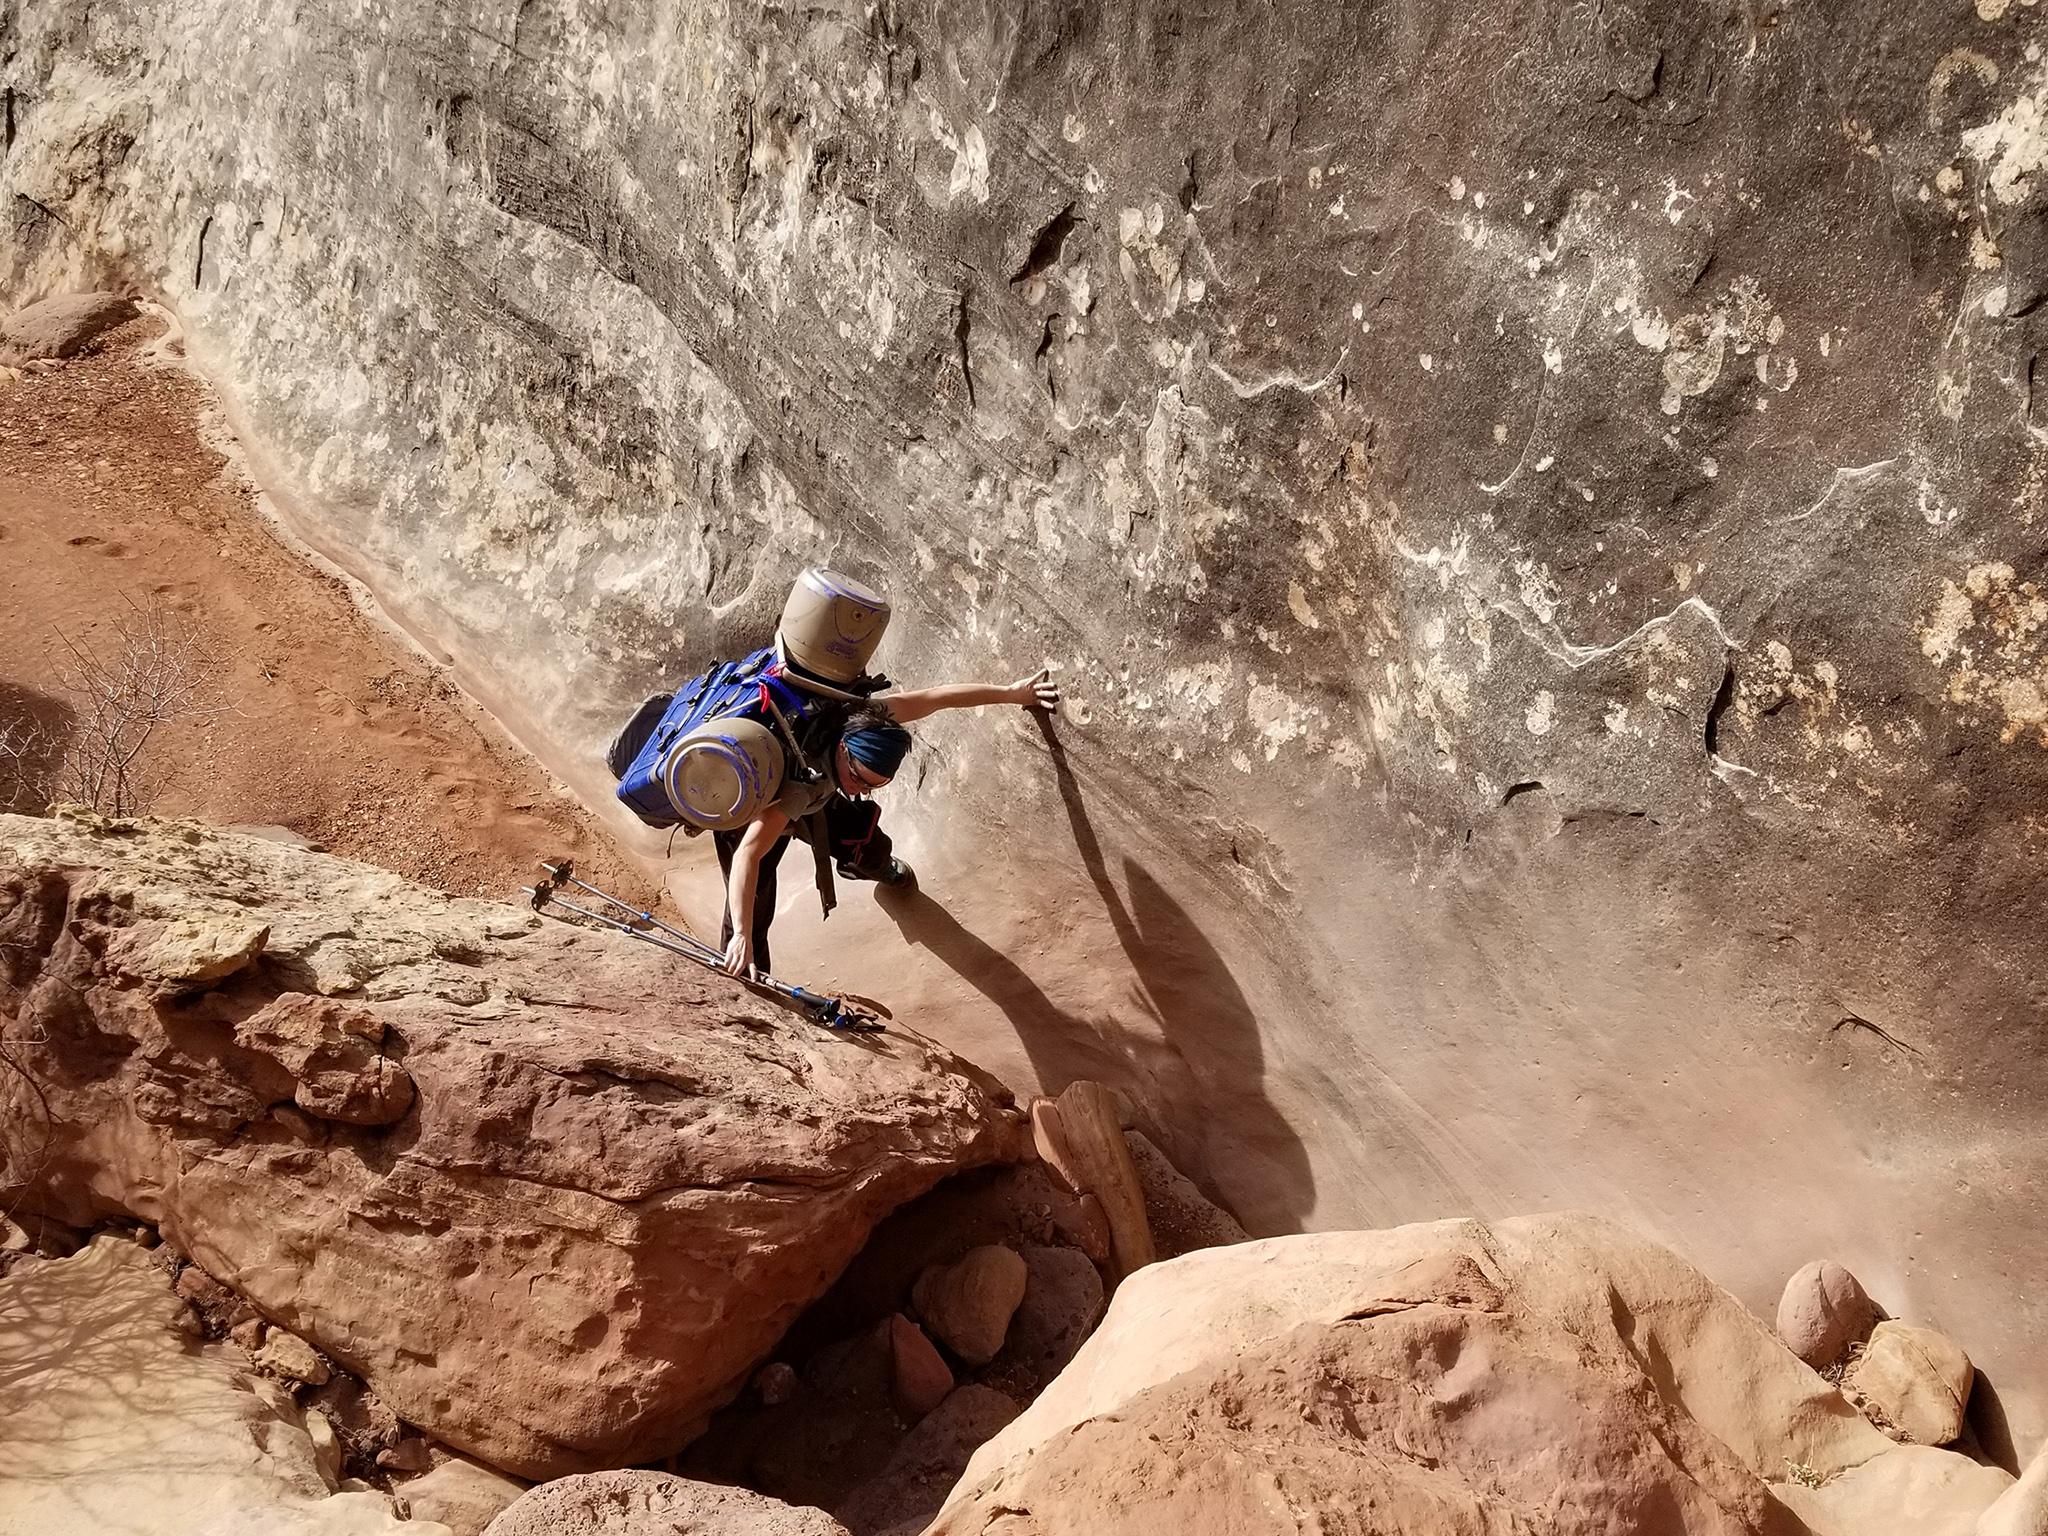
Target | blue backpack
(747,688)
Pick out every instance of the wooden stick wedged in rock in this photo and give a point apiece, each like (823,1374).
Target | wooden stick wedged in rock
(1080,1137)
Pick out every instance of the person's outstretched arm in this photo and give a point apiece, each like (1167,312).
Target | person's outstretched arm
(1037,691)
(759,837)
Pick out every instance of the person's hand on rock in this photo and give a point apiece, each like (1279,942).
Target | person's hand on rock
(1038,691)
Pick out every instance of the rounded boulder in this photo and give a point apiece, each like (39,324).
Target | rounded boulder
(969,1304)
(1823,1311)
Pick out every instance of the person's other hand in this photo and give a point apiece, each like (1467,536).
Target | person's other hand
(1038,691)
(739,955)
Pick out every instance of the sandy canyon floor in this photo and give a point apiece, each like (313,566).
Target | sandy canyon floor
(115,497)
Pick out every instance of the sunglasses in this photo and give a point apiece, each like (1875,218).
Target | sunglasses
(860,774)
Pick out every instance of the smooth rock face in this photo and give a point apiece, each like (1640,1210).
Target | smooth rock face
(112,1420)
(2022,1510)
(1540,510)
(615,1182)
(654,1504)
(1916,1380)
(1823,1311)
(969,1303)
(1546,1373)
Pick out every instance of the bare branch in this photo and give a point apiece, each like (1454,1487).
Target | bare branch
(27,752)
(155,670)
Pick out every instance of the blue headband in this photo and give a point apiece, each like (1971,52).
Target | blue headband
(878,748)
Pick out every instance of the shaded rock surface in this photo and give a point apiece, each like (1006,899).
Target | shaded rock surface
(113,1419)
(1513,491)
(909,1489)
(2022,1510)
(1021,1206)
(919,1377)
(835,1429)
(1181,1217)
(1063,1301)
(1549,1373)
(654,1504)
(615,1183)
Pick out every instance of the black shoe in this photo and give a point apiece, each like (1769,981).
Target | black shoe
(899,874)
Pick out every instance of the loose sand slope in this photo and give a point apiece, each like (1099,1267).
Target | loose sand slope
(111,495)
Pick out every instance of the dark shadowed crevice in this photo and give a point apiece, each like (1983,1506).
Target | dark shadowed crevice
(1723,697)
(1047,245)
(960,328)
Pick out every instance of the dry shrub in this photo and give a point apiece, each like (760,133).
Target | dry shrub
(92,744)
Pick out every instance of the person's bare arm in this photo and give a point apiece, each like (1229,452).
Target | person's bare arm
(1037,691)
(759,837)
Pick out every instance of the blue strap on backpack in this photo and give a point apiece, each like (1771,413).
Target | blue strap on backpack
(732,688)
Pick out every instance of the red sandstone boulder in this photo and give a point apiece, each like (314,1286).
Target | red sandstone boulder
(968,1304)
(919,1377)
(550,1193)
(62,326)
(1550,1374)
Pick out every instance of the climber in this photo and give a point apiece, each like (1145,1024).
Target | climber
(790,740)
(864,758)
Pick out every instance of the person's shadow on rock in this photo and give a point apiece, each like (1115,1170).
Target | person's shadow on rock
(1198,1082)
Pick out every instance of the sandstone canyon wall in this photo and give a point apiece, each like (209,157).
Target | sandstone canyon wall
(1539,509)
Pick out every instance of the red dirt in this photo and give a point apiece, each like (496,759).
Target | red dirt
(111,497)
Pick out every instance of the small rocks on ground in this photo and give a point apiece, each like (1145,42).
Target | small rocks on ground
(365,1424)
(409,1455)
(200,1288)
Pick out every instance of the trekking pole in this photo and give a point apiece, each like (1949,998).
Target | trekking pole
(564,873)
(831,1012)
